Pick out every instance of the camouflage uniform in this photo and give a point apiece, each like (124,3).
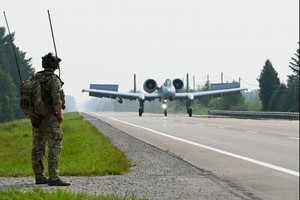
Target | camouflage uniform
(47,128)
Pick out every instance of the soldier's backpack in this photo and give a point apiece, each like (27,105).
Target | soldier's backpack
(31,98)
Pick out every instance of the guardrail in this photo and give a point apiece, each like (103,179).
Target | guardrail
(255,114)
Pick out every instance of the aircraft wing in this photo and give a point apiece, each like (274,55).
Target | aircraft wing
(121,95)
(192,95)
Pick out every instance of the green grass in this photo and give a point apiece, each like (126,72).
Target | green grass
(85,151)
(39,194)
(200,110)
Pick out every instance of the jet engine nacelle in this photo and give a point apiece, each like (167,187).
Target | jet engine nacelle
(150,85)
(178,83)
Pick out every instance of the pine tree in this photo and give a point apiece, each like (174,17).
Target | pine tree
(9,77)
(8,60)
(293,84)
(268,83)
(8,99)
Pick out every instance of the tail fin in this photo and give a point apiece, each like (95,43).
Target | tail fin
(134,83)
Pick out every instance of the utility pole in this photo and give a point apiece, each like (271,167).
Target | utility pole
(208,82)
(187,82)
(134,83)
(194,83)
(222,77)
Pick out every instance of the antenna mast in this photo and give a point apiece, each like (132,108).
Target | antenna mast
(53,40)
(12,44)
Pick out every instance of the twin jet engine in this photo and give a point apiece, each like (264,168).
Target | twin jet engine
(150,85)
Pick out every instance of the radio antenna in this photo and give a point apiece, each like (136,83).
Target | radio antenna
(53,40)
(12,44)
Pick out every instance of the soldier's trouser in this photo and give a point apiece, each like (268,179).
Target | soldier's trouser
(46,130)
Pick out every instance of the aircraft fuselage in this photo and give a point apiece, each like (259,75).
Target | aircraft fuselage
(167,90)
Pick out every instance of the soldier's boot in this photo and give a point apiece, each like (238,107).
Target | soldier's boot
(58,182)
(41,180)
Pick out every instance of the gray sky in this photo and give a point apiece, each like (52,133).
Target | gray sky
(107,41)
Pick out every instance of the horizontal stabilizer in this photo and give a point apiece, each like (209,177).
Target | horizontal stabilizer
(107,87)
(223,86)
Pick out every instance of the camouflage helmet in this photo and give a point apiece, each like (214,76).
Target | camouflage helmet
(50,61)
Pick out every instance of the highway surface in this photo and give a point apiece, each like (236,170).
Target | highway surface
(261,156)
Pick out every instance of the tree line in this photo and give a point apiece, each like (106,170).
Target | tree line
(9,77)
(274,96)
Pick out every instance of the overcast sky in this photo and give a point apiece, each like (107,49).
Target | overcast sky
(107,41)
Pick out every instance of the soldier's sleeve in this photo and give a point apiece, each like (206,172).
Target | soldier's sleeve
(56,92)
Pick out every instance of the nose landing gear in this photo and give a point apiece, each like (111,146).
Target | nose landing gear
(164,107)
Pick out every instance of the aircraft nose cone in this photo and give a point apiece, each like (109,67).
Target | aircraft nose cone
(170,92)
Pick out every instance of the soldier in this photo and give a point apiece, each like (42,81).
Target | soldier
(47,128)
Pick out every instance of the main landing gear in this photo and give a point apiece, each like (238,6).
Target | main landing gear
(141,109)
(189,110)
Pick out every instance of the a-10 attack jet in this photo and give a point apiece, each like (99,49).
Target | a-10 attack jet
(168,91)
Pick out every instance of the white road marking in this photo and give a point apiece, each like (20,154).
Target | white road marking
(251,132)
(281,169)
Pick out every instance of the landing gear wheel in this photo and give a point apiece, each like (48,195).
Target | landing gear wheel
(190,112)
(140,111)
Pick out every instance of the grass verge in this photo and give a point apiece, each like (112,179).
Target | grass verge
(39,194)
(85,151)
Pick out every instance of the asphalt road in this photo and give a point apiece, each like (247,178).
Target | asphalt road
(261,156)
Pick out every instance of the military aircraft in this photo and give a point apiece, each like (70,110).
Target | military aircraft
(167,91)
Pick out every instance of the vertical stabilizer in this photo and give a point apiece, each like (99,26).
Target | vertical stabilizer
(134,83)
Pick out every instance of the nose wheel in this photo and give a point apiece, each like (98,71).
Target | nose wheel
(141,112)
(190,112)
